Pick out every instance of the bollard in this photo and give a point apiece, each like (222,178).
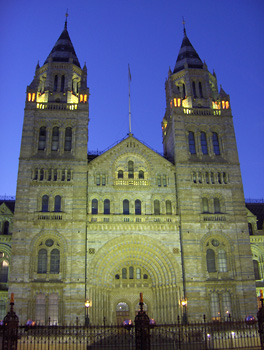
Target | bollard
(142,328)
(10,328)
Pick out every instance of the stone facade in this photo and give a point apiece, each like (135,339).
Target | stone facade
(106,227)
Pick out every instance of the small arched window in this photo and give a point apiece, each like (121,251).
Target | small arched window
(94,206)
(55,139)
(130,169)
(124,273)
(131,272)
(57,204)
(125,207)
(205,205)
(156,207)
(120,174)
(106,206)
(168,207)
(141,174)
(138,207)
(55,261)
(45,203)
(68,139)
(191,138)
(6,228)
(215,143)
(42,139)
(217,208)
(210,260)
(42,261)
(204,143)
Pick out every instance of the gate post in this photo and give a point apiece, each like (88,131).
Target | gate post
(10,328)
(260,315)
(142,328)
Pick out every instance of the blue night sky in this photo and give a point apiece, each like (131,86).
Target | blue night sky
(147,34)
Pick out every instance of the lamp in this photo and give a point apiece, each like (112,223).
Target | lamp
(88,303)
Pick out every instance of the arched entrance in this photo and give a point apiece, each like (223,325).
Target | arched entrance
(122,312)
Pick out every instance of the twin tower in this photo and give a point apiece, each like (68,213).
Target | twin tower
(104,228)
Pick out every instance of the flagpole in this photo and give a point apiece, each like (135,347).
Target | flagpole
(129,79)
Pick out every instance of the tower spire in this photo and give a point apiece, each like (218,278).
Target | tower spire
(66,16)
(129,107)
(183,23)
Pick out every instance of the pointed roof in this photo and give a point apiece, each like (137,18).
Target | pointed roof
(63,49)
(187,55)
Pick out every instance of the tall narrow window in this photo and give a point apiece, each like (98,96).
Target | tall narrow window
(256,270)
(45,203)
(250,229)
(6,228)
(138,273)
(42,261)
(40,309)
(159,180)
(183,91)
(103,180)
(4,265)
(42,139)
(168,207)
(131,272)
(124,273)
(210,260)
(107,206)
(194,89)
(55,139)
(215,143)
(62,82)
(68,139)
(55,83)
(156,207)
(217,208)
(205,205)
(120,174)
(222,261)
(57,204)
(191,138)
(200,89)
(215,306)
(227,307)
(204,143)
(138,207)
(164,180)
(94,206)
(55,261)
(53,312)
(131,169)
(125,207)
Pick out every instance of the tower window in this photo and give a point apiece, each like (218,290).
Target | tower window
(94,206)
(205,205)
(55,83)
(62,83)
(191,138)
(125,207)
(250,229)
(204,143)
(131,169)
(124,273)
(210,260)
(42,139)
(138,207)
(6,228)
(200,89)
(106,206)
(57,204)
(131,272)
(68,139)
(256,270)
(156,207)
(55,261)
(217,205)
(42,261)
(55,139)
(183,91)
(194,89)
(168,207)
(45,203)
(216,143)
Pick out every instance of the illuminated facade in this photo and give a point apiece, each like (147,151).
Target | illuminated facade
(102,229)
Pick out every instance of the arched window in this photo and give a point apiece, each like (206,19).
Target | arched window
(55,83)
(138,273)
(141,174)
(168,207)
(120,174)
(156,207)
(57,204)
(40,309)
(194,89)
(222,261)
(210,260)
(106,206)
(6,228)
(125,207)
(62,82)
(205,205)
(217,208)
(191,138)
(42,261)
(138,207)
(45,203)
(215,143)
(204,143)
(227,307)
(4,265)
(41,175)
(94,206)
(130,169)
(55,139)
(256,270)
(42,139)
(68,139)
(131,272)
(200,89)
(215,306)
(55,261)
(124,273)
(53,313)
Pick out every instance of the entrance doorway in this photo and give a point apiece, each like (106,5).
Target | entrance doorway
(122,312)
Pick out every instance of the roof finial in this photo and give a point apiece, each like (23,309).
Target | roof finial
(183,23)
(66,16)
